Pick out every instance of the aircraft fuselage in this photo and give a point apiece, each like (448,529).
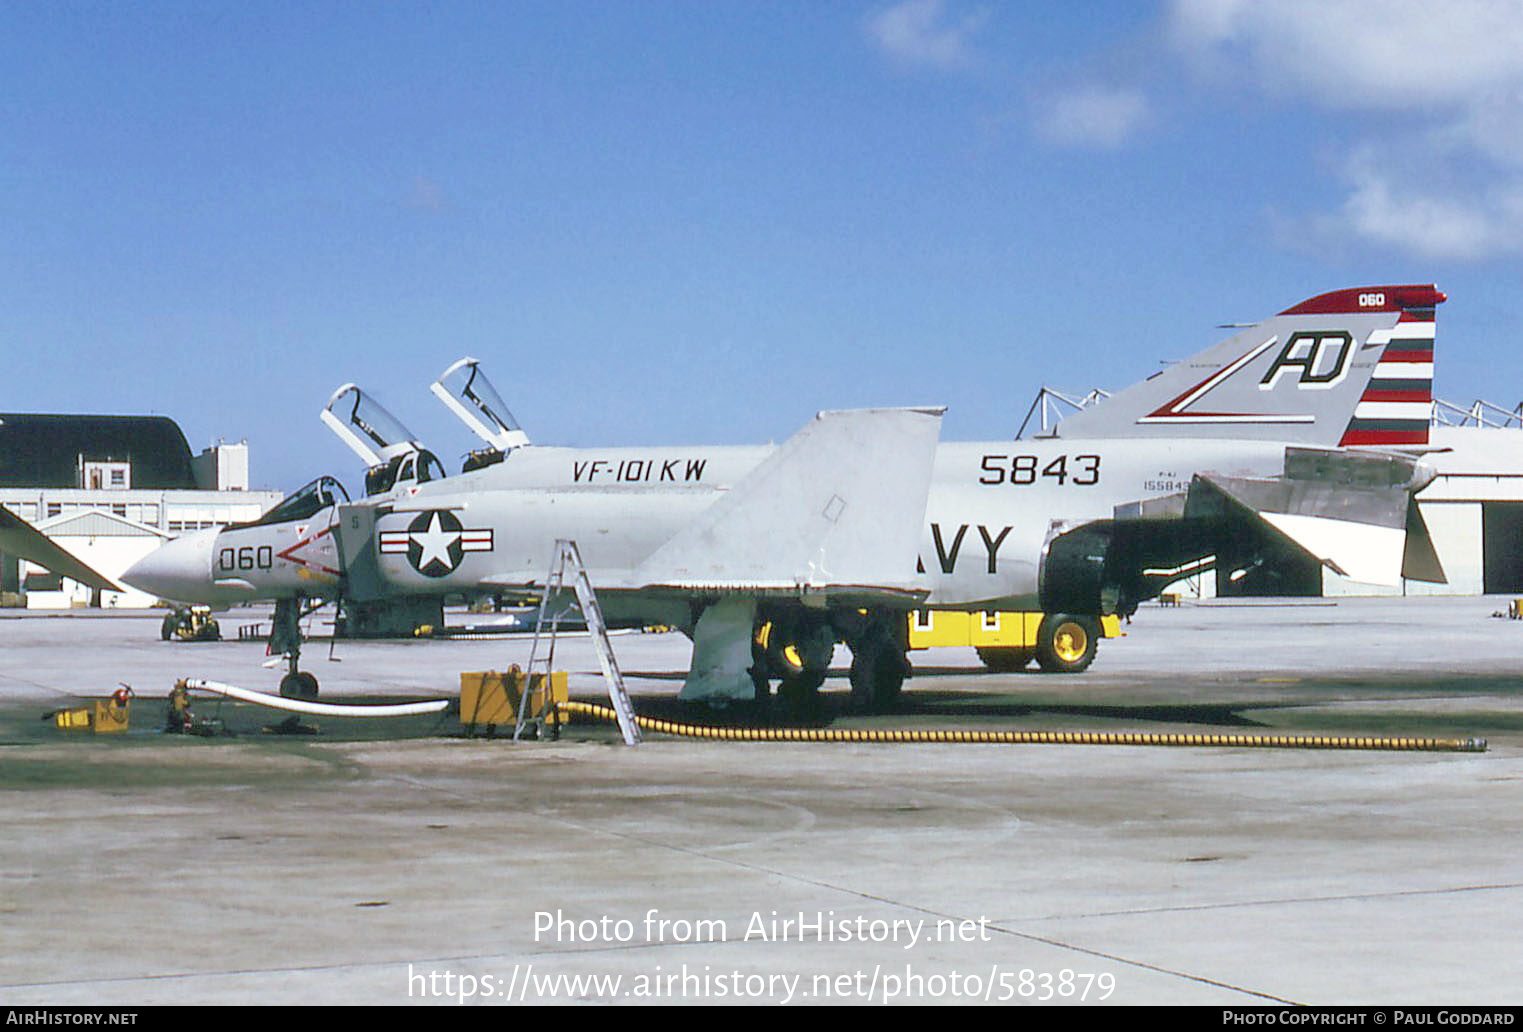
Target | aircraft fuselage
(992,508)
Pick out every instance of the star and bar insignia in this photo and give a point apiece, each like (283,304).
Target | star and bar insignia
(435,542)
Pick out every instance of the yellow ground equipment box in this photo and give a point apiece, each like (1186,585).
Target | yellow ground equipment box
(111,716)
(104,716)
(491,699)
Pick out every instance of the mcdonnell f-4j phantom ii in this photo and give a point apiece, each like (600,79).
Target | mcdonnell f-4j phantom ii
(1299,434)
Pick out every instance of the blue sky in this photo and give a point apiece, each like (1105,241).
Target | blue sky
(684,222)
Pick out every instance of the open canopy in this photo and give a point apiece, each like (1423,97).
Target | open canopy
(466,391)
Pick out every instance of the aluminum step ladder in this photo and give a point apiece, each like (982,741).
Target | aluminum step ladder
(555,584)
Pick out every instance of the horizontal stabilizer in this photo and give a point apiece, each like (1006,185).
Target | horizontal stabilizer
(20,538)
(1357,532)
(837,509)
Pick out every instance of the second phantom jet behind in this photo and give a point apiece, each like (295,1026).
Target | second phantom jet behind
(1301,434)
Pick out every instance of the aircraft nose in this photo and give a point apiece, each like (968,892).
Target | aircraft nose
(179,570)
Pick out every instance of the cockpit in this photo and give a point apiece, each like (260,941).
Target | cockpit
(390,451)
(392,454)
(305,503)
(417,466)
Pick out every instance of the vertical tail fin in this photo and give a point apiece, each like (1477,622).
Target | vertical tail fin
(1396,407)
(1351,367)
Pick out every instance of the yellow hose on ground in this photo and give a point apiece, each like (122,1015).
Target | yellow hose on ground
(792,734)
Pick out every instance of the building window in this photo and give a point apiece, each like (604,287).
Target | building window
(105,476)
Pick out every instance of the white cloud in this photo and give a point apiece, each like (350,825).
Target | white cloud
(921,32)
(1492,124)
(1427,223)
(1096,117)
(1445,184)
(1383,54)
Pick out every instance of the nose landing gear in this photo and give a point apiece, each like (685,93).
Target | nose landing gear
(285,638)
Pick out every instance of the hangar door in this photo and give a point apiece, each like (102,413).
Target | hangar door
(1502,547)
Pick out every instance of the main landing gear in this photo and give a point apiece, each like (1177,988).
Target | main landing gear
(879,642)
(795,648)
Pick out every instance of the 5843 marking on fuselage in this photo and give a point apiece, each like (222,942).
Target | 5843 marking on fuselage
(1025,470)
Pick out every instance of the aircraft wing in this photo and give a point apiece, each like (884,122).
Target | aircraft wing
(836,510)
(20,538)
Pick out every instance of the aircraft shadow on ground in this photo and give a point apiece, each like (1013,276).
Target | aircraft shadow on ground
(921,703)
(933,703)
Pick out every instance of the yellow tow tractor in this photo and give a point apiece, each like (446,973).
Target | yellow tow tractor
(1008,641)
(190,623)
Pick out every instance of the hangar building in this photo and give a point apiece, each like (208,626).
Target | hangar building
(1474,513)
(110,489)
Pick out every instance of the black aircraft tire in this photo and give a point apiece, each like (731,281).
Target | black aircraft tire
(800,694)
(300,685)
(1005,659)
(1066,644)
(888,683)
(760,671)
(863,667)
(877,676)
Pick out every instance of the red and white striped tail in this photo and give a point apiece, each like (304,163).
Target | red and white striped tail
(1397,405)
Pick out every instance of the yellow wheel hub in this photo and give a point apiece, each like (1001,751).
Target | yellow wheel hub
(792,658)
(1070,643)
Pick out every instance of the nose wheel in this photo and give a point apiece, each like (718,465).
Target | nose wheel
(298,685)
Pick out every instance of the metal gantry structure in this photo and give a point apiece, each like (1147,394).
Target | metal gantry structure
(1479,413)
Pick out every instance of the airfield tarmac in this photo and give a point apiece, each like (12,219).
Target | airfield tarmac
(402,863)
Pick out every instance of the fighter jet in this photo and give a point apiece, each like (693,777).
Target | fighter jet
(1301,434)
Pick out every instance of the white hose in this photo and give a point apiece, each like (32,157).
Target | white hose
(319,709)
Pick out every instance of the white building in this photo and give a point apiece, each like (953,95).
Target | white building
(1474,513)
(110,489)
